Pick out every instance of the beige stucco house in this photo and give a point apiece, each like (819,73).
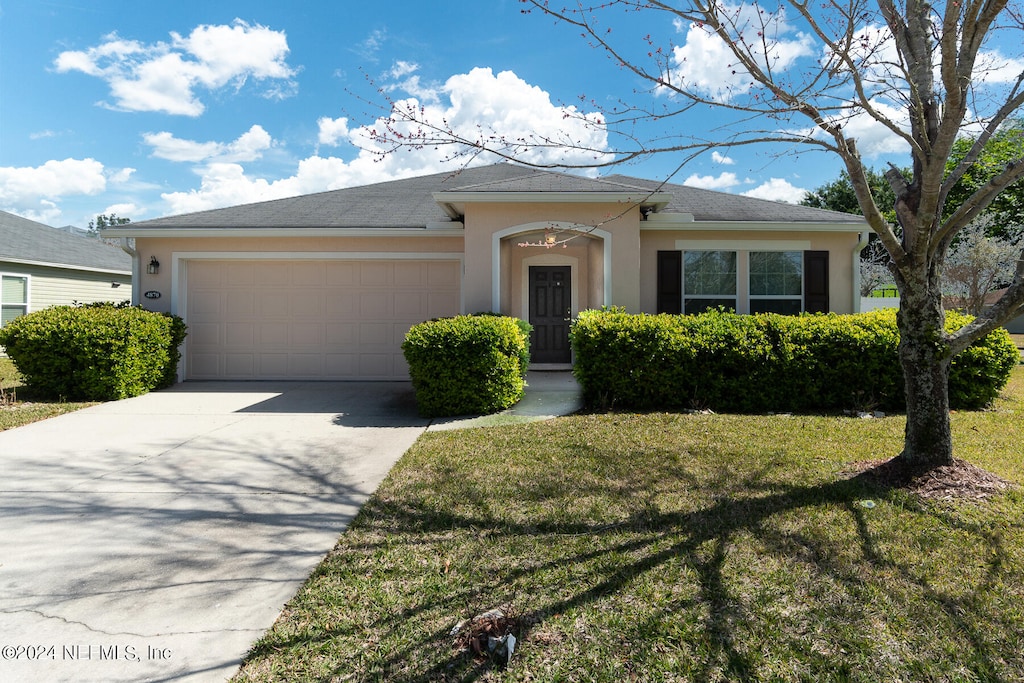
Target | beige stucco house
(41,267)
(325,286)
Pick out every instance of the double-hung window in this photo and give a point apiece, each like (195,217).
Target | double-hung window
(13,297)
(756,279)
(709,280)
(776,282)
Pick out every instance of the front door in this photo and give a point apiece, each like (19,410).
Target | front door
(550,313)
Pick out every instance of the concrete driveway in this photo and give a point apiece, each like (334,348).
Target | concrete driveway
(156,538)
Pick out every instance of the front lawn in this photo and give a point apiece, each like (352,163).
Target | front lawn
(19,405)
(671,547)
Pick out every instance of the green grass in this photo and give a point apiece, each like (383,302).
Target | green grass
(19,405)
(664,547)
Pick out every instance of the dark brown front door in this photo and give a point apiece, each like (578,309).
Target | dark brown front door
(550,312)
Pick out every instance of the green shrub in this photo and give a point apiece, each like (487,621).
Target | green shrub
(95,352)
(467,364)
(979,373)
(762,363)
(527,329)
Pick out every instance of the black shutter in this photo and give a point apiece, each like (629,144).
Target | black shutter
(670,282)
(816,281)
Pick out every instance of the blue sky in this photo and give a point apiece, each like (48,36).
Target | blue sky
(146,109)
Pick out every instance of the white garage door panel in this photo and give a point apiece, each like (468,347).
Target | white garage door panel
(310,319)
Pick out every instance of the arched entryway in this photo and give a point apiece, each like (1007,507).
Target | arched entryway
(548,287)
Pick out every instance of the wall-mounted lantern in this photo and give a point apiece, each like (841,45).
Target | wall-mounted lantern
(154,266)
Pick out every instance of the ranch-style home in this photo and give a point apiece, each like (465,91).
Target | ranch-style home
(325,286)
(42,266)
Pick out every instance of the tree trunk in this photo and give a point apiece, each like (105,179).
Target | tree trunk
(925,360)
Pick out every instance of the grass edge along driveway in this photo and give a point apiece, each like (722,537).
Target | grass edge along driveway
(19,405)
(670,547)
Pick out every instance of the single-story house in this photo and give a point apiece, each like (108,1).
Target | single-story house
(42,266)
(325,286)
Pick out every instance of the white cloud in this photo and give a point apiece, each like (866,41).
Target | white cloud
(722,181)
(777,190)
(34,192)
(47,213)
(475,104)
(369,48)
(992,67)
(249,146)
(164,76)
(722,159)
(704,64)
(503,111)
(51,180)
(873,138)
(402,68)
(124,210)
(874,53)
(332,131)
(121,176)
(226,184)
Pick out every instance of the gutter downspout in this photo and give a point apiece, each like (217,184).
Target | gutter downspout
(127,248)
(865,238)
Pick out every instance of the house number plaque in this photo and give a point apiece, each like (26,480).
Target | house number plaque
(152,294)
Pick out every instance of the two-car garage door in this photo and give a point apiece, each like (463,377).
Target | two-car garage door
(298,319)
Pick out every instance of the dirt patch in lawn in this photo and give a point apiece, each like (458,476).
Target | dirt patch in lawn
(958,481)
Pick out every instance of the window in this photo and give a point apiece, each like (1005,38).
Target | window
(709,280)
(13,297)
(746,278)
(776,282)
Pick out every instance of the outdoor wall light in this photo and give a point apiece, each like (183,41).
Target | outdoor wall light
(154,266)
(550,238)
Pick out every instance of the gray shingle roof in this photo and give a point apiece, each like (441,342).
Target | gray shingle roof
(25,240)
(409,203)
(550,181)
(708,205)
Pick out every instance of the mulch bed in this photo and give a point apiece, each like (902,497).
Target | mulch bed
(958,481)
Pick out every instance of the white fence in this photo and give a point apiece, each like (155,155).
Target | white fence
(873,303)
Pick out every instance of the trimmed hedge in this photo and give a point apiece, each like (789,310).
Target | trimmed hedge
(95,352)
(763,363)
(469,364)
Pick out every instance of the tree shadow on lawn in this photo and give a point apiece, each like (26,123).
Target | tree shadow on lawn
(758,589)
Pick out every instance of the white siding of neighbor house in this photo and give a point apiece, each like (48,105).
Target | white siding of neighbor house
(57,286)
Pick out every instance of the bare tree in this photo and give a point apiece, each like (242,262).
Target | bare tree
(875,269)
(814,75)
(978,264)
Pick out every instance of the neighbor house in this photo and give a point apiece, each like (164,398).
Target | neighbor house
(41,267)
(325,286)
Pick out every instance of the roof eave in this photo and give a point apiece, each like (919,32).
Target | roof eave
(686,222)
(64,266)
(447,229)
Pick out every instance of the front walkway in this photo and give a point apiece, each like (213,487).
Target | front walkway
(548,394)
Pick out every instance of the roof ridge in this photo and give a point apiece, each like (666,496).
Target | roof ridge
(533,173)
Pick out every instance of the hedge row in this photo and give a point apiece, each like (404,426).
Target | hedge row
(469,364)
(95,352)
(763,363)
